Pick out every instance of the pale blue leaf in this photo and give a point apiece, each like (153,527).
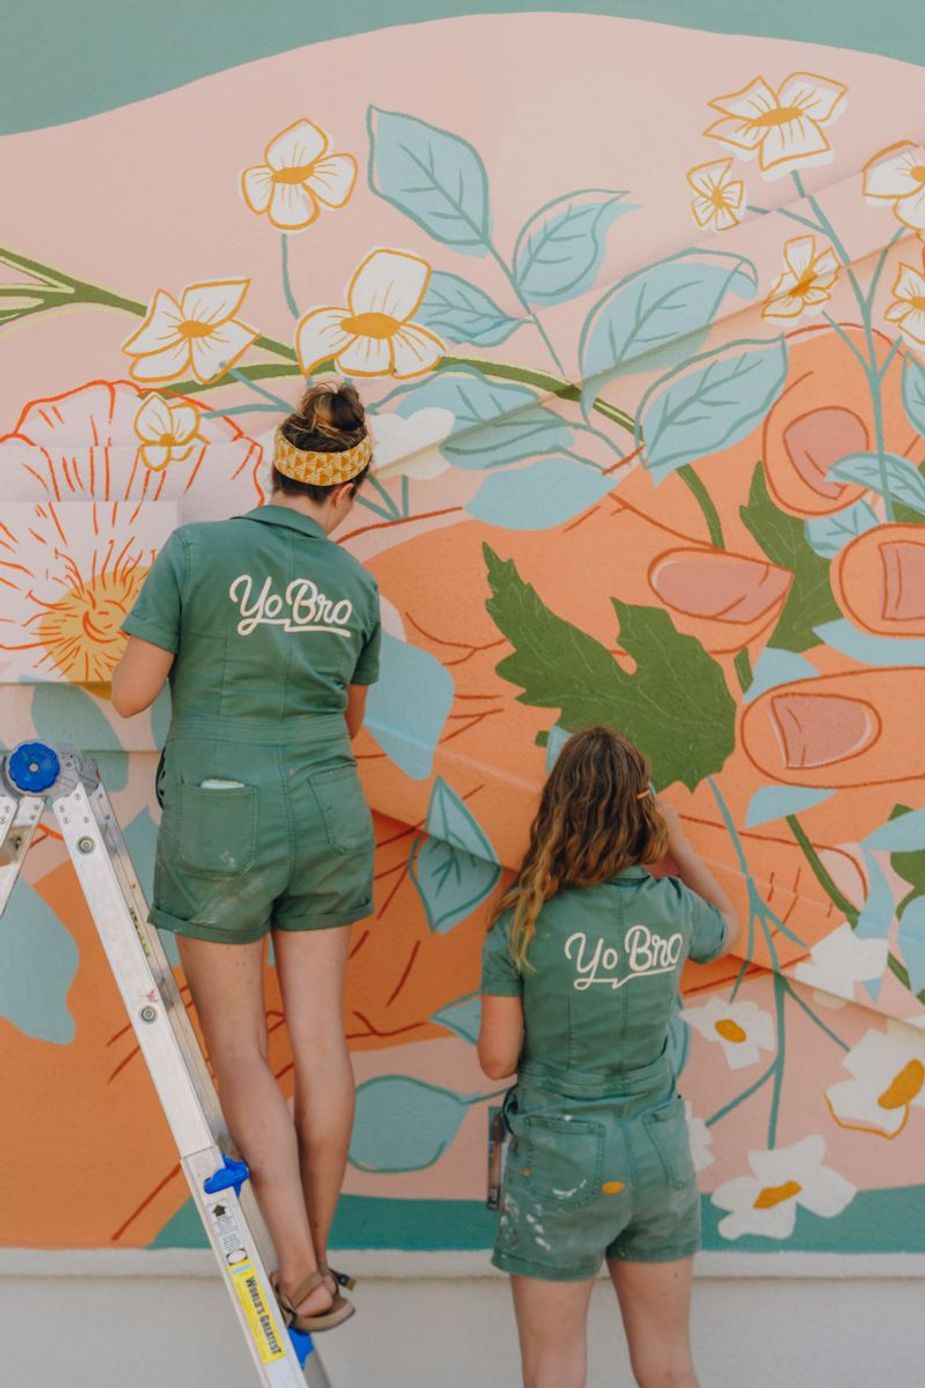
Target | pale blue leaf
(911,941)
(774,802)
(559,251)
(455,867)
(904,834)
(38,961)
(407,707)
(877,915)
(495,423)
(458,311)
(540,495)
(710,404)
(661,314)
(462,1017)
(65,713)
(403,1124)
(433,176)
(844,636)
(828,535)
(141,841)
(902,479)
(775,667)
(914,392)
(556,740)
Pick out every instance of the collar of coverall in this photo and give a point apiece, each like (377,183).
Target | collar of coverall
(629,874)
(286,517)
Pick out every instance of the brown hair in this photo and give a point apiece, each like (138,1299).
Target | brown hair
(328,419)
(597,816)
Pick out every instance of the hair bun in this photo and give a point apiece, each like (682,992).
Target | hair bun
(332,410)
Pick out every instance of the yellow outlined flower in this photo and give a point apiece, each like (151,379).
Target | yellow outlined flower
(167,431)
(298,177)
(888,1078)
(784,129)
(374,334)
(897,175)
(908,307)
(805,284)
(199,334)
(718,196)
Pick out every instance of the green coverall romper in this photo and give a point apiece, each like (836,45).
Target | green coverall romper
(264,824)
(599,1164)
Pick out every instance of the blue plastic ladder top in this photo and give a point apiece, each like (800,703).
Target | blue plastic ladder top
(33,767)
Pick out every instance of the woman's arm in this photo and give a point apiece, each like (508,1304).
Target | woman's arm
(140,676)
(356,707)
(501,1036)
(695,874)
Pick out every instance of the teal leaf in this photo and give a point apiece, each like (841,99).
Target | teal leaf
(455,867)
(559,251)
(679,1039)
(556,740)
(434,177)
(828,535)
(842,635)
(462,1017)
(909,866)
(877,914)
(458,311)
(540,495)
(495,423)
(403,1124)
(911,941)
(141,841)
(902,479)
(710,404)
(914,392)
(65,707)
(904,833)
(38,961)
(661,314)
(407,707)
(775,667)
(776,802)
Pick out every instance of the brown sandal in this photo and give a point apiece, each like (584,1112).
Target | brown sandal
(341,1279)
(339,1311)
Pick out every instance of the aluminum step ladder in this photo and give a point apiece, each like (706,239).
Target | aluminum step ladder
(36,777)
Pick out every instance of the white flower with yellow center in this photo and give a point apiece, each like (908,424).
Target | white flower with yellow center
(197,334)
(168,431)
(719,196)
(740,1028)
(783,129)
(839,962)
(374,334)
(897,175)
(298,177)
(805,284)
(701,1139)
(908,307)
(888,1078)
(766,1202)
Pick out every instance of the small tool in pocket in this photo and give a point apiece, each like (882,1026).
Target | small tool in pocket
(499,1141)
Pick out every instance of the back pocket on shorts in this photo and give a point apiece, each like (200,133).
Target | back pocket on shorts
(560,1158)
(216,829)
(667,1131)
(344,812)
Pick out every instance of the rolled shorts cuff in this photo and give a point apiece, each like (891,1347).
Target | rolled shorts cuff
(669,1253)
(234,936)
(325,921)
(526,1267)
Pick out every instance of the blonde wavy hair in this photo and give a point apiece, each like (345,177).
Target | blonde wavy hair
(597,816)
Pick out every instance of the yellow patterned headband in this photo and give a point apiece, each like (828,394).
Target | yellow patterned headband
(320,469)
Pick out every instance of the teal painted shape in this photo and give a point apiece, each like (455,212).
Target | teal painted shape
(559,252)
(558,737)
(160,717)
(775,667)
(540,495)
(774,802)
(845,637)
(141,840)
(678,1046)
(455,868)
(891,474)
(408,706)
(828,535)
(38,961)
(403,1124)
(903,834)
(914,392)
(911,941)
(66,62)
(458,311)
(63,713)
(462,1017)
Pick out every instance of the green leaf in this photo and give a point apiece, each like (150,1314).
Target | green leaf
(783,539)
(909,866)
(676,705)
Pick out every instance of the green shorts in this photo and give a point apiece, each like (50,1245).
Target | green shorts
(588,1179)
(289,847)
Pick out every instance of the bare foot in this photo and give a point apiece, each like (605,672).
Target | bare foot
(319,1300)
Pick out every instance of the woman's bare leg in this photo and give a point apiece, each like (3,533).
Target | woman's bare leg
(655,1301)
(311,965)
(552,1322)
(226,982)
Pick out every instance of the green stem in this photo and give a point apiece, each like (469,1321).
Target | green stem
(778,1066)
(705,502)
(287,282)
(721,1113)
(534,317)
(821,873)
(899,970)
(814,1017)
(782,212)
(743,669)
(377,486)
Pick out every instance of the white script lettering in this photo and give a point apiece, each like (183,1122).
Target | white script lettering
(304,607)
(646,954)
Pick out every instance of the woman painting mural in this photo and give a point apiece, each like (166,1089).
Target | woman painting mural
(269,634)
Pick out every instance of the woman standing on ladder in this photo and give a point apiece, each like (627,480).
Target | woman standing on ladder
(269,634)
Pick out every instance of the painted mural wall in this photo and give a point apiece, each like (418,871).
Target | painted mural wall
(639,313)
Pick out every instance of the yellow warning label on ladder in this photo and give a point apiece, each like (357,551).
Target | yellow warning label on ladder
(260,1317)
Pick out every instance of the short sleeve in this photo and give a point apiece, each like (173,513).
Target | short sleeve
(158,608)
(500,977)
(366,670)
(707,926)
